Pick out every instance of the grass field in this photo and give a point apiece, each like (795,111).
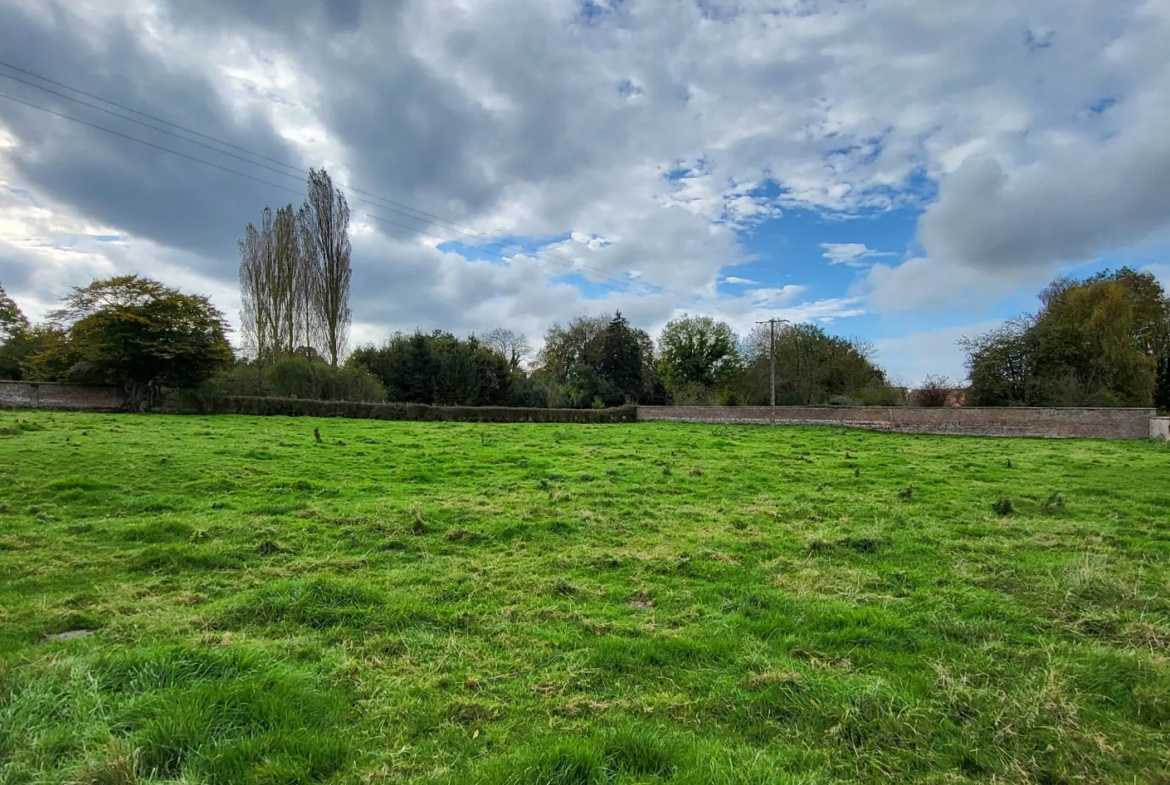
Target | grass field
(573,604)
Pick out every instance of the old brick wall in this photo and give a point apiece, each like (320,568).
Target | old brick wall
(1052,423)
(47,395)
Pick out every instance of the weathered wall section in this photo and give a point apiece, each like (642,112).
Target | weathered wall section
(46,395)
(1160,428)
(1051,423)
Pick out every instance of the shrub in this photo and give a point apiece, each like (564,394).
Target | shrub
(299,377)
(1054,503)
(842,400)
(296,377)
(935,392)
(879,396)
(694,394)
(729,397)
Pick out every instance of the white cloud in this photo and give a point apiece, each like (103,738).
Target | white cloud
(775,296)
(736,281)
(591,240)
(909,359)
(929,286)
(851,254)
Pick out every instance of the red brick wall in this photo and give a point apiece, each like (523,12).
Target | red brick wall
(1053,423)
(46,395)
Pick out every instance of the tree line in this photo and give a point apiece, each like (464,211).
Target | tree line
(1102,341)
(147,337)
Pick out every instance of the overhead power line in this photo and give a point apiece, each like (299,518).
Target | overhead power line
(272,184)
(135,111)
(574,267)
(299,173)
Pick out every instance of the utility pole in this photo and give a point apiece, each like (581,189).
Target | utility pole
(772,354)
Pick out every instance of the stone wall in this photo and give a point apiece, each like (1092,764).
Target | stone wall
(1160,428)
(48,395)
(1051,423)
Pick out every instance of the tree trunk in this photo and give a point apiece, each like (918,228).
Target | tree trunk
(135,395)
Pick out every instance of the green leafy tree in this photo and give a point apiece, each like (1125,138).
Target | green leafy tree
(598,360)
(1096,342)
(14,337)
(123,291)
(620,364)
(46,354)
(999,364)
(653,392)
(566,347)
(1089,348)
(442,369)
(12,319)
(142,335)
(1162,391)
(697,352)
(811,367)
(457,381)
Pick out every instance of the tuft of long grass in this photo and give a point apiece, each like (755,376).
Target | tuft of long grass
(170,712)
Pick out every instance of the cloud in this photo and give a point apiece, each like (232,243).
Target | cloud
(736,281)
(909,359)
(535,119)
(851,254)
(1072,206)
(782,295)
(824,311)
(927,286)
(1085,177)
(593,241)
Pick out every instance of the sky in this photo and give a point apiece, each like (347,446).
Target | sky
(905,172)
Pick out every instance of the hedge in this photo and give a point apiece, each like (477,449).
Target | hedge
(415,412)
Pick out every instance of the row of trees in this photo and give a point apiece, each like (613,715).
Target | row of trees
(295,277)
(145,336)
(699,360)
(1101,341)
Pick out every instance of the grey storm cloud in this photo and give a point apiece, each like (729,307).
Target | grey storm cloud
(142,190)
(1071,207)
(408,129)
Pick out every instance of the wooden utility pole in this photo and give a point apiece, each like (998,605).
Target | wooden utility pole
(772,354)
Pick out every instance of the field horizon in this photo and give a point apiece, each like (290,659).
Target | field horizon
(200,599)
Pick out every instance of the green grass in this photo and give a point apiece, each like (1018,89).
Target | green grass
(447,603)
